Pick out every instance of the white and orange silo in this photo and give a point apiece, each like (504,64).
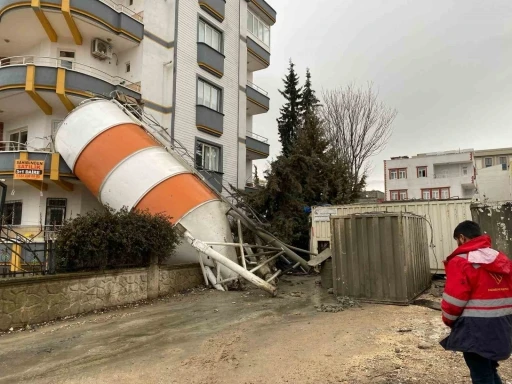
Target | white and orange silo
(123,166)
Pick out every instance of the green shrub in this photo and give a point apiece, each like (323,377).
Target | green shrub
(114,239)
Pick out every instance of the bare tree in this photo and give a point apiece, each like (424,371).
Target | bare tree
(357,125)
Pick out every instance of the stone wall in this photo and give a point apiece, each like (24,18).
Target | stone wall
(42,298)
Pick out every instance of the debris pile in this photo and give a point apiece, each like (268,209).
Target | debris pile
(343,303)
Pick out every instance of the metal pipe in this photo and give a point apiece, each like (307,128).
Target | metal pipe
(202,268)
(275,275)
(266,262)
(292,255)
(241,240)
(301,250)
(285,260)
(204,248)
(245,245)
(238,214)
(212,279)
(255,268)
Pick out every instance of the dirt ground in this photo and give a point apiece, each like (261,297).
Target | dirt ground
(209,337)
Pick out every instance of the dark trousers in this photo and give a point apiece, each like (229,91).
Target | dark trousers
(483,371)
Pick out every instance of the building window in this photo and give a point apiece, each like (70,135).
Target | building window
(207,157)
(130,2)
(503,159)
(208,95)
(128,67)
(398,173)
(210,36)
(55,211)
(422,171)
(435,193)
(18,140)
(12,213)
(66,59)
(398,195)
(488,162)
(258,28)
(464,171)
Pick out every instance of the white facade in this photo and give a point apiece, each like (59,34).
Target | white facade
(432,176)
(493,178)
(494,184)
(154,57)
(491,157)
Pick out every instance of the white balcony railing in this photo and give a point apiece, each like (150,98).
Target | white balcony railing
(450,176)
(256,88)
(257,137)
(38,144)
(69,65)
(127,11)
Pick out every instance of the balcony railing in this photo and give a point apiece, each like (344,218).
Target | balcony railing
(127,11)
(256,88)
(449,175)
(69,65)
(45,145)
(257,137)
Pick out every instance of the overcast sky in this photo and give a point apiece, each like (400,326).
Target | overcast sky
(445,65)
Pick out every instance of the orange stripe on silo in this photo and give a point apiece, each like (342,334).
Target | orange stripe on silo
(106,150)
(178,195)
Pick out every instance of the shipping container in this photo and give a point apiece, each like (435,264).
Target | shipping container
(380,257)
(442,217)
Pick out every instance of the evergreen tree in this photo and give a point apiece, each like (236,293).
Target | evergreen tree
(289,120)
(256,178)
(309,101)
(308,173)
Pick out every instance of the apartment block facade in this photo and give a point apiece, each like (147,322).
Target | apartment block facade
(189,63)
(494,179)
(430,176)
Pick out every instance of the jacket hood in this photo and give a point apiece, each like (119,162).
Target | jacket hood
(479,251)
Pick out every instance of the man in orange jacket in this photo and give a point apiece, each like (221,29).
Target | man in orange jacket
(477,303)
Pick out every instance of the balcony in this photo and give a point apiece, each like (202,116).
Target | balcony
(210,60)
(55,169)
(209,120)
(257,146)
(257,57)
(216,8)
(53,85)
(466,181)
(257,99)
(66,19)
(264,10)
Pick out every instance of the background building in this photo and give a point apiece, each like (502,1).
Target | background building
(493,178)
(190,64)
(431,176)
(371,197)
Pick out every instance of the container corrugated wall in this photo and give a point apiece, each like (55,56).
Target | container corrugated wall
(443,215)
(380,257)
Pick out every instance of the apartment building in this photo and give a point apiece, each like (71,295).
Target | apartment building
(430,176)
(492,157)
(190,65)
(493,177)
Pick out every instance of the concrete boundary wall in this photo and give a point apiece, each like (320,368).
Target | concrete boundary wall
(33,300)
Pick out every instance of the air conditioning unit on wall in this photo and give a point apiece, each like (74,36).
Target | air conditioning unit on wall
(101,49)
